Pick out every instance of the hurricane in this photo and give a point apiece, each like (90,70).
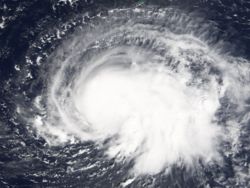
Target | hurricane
(144,90)
(154,90)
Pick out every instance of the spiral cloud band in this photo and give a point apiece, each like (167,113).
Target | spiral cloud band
(147,85)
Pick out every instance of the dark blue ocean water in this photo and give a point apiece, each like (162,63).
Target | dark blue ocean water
(26,160)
